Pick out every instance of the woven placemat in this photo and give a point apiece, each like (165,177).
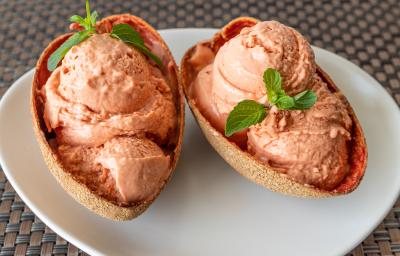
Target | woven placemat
(365,32)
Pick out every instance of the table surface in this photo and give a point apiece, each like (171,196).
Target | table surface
(365,32)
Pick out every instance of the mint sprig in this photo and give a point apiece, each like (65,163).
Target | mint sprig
(304,100)
(59,54)
(249,112)
(273,84)
(277,96)
(243,115)
(127,34)
(123,32)
(87,23)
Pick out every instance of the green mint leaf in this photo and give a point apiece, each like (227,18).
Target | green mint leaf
(245,114)
(127,34)
(59,54)
(300,95)
(273,84)
(277,95)
(285,102)
(93,18)
(304,100)
(272,97)
(248,112)
(147,52)
(87,23)
(78,19)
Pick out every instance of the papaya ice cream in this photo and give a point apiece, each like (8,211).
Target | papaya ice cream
(310,146)
(111,110)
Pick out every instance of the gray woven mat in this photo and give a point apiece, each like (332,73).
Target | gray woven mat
(365,32)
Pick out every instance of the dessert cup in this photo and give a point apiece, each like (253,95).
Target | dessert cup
(171,146)
(231,149)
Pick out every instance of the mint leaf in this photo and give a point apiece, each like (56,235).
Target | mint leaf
(87,23)
(272,79)
(127,34)
(277,95)
(285,102)
(59,54)
(273,84)
(304,100)
(147,52)
(248,112)
(93,18)
(78,19)
(245,114)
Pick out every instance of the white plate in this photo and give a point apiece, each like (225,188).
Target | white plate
(207,208)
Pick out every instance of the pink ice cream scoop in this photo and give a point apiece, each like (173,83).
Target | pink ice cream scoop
(240,63)
(105,88)
(138,166)
(310,146)
(236,73)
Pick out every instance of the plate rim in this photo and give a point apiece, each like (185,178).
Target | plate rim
(92,250)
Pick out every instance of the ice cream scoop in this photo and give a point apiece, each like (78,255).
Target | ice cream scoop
(105,88)
(138,166)
(236,73)
(309,146)
(240,63)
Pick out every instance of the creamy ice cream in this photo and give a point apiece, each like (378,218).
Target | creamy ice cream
(236,73)
(105,88)
(125,169)
(138,166)
(241,62)
(237,70)
(104,93)
(309,146)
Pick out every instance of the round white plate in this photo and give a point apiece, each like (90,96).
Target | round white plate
(207,208)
